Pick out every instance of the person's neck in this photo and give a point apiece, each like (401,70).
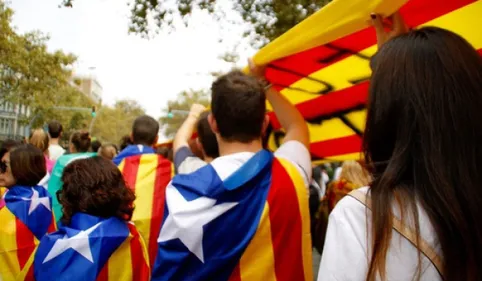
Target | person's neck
(54,141)
(208,159)
(227,148)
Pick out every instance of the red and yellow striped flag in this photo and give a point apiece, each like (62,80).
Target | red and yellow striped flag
(148,175)
(323,65)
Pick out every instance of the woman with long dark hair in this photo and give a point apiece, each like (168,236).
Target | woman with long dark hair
(423,144)
(25,210)
(79,146)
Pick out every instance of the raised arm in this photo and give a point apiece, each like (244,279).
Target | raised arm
(287,114)
(187,128)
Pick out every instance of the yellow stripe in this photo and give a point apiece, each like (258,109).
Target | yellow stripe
(120,263)
(122,165)
(340,158)
(23,274)
(257,262)
(9,266)
(302,195)
(146,178)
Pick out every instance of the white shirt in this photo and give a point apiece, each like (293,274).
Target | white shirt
(55,151)
(345,254)
(293,151)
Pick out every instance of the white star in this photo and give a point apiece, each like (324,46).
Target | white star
(187,218)
(36,201)
(79,243)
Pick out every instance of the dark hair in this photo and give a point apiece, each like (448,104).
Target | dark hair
(39,139)
(95,145)
(207,138)
(145,130)
(81,141)
(27,163)
(238,105)
(55,129)
(423,141)
(95,186)
(125,142)
(7,145)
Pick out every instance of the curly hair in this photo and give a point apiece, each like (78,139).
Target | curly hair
(95,186)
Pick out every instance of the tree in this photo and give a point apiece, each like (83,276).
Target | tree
(269,18)
(114,122)
(32,76)
(171,123)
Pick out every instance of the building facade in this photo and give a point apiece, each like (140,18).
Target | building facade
(90,87)
(11,117)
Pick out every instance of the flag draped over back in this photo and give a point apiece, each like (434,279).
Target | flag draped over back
(252,226)
(90,249)
(25,217)
(148,175)
(322,65)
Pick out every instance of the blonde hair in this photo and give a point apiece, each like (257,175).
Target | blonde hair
(354,173)
(39,139)
(107,151)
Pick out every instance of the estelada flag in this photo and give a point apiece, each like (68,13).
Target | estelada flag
(148,175)
(323,65)
(253,225)
(92,249)
(25,217)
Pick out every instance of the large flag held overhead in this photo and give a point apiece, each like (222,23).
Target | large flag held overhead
(253,225)
(148,175)
(322,65)
(92,249)
(25,217)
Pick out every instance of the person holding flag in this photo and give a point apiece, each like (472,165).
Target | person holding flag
(245,215)
(25,211)
(95,241)
(147,174)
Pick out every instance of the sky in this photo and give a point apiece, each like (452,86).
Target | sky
(151,71)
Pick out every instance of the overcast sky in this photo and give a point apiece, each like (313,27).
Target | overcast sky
(128,66)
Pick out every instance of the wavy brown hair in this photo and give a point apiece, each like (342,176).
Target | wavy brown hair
(423,141)
(95,186)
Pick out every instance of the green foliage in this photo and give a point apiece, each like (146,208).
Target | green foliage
(184,100)
(269,18)
(32,76)
(114,122)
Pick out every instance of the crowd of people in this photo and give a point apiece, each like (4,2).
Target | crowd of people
(222,206)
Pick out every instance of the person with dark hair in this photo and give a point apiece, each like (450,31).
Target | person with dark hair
(148,173)
(144,138)
(95,145)
(97,206)
(5,147)
(79,147)
(25,210)
(108,151)
(55,133)
(125,142)
(40,139)
(185,161)
(219,214)
(422,144)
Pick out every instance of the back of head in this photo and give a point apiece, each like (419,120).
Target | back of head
(353,172)
(95,145)
(145,131)
(39,139)
(55,129)
(125,142)
(108,151)
(423,140)
(81,141)
(27,163)
(238,105)
(7,145)
(206,136)
(95,186)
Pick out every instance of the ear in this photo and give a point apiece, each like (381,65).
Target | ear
(213,124)
(265,124)
(155,141)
